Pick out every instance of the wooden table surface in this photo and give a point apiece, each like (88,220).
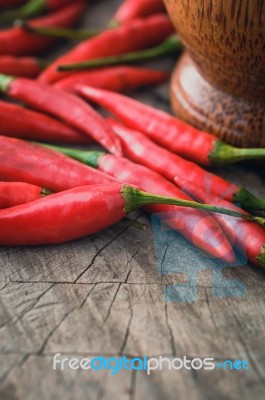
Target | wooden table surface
(104,295)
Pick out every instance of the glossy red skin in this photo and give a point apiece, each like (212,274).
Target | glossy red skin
(22,123)
(67,107)
(19,66)
(53,5)
(162,128)
(21,161)
(196,226)
(142,150)
(116,79)
(16,193)
(247,236)
(136,35)
(18,42)
(131,9)
(63,216)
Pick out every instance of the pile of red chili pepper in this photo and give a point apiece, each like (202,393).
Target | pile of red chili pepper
(50,193)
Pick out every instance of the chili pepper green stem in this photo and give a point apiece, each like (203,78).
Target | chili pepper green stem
(170,46)
(31,9)
(60,33)
(135,198)
(225,154)
(249,201)
(86,157)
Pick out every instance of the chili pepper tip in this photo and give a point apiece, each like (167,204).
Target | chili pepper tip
(45,192)
(5,81)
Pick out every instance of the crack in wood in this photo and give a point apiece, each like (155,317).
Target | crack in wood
(99,252)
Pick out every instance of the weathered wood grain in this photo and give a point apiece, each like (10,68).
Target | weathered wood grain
(105,295)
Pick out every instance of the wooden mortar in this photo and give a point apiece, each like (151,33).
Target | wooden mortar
(219,83)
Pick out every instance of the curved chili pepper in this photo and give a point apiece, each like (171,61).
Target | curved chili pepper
(135,35)
(142,150)
(171,45)
(118,79)
(22,161)
(249,238)
(19,42)
(64,106)
(78,212)
(31,9)
(197,227)
(19,122)
(16,193)
(131,9)
(171,133)
(27,67)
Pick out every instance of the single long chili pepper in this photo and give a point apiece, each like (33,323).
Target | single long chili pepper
(172,45)
(131,9)
(118,79)
(136,35)
(142,150)
(32,8)
(22,123)
(64,106)
(195,226)
(249,238)
(79,212)
(22,161)
(16,193)
(169,132)
(19,42)
(27,67)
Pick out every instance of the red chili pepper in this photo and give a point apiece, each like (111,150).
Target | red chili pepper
(64,106)
(32,8)
(136,35)
(27,67)
(16,193)
(78,212)
(21,161)
(19,42)
(171,133)
(131,9)
(142,150)
(117,79)
(196,226)
(170,46)
(19,122)
(249,238)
